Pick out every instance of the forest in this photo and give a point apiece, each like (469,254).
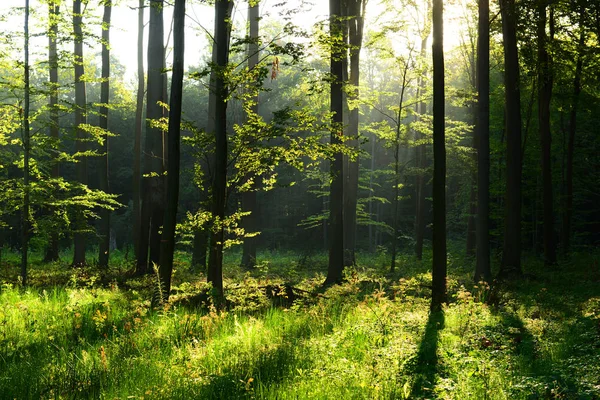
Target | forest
(352,199)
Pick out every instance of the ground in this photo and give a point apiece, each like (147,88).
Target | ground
(84,333)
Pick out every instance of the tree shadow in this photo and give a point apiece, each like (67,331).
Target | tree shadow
(426,366)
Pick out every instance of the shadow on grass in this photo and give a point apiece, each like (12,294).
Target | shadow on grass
(427,365)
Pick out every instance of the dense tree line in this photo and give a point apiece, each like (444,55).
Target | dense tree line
(282,149)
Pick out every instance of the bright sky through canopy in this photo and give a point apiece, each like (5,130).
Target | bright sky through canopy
(200,20)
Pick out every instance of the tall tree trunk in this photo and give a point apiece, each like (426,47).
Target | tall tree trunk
(80,119)
(199,246)
(545,80)
(152,212)
(336,196)
(53,15)
(572,130)
(223,10)
(356,12)
(170,220)
(482,130)
(137,145)
(421,151)
(250,222)
(371,190)
(396,201)
(511,258)
(26,151)
(438,296)
(104,246)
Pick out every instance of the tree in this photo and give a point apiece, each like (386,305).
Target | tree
(53,15)
(356,15)
(438,296)
(249,196)
(421,150)
(482,130)
(137,146)
(336,196)
(545,80)
(25,227)
(219,186)
(511,257)
(104,246)
(152,210)
(80,121)
(566,229)
(173,155)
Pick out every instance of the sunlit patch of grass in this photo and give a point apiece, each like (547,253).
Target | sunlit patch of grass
(370,338)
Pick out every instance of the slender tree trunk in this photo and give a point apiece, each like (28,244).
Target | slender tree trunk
(152,210)
(544,96)
(137,145)
(250,222)
(104,246)
(53,15)
(26,151)
(356,11)
(170,220)
(511,258)
(396,201)
(80,119)
(482,130)
(219,187)
(438,296)
(572,130)
(371,173)
(336,197)
(421,152)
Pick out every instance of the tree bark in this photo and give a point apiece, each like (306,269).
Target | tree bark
(137,145)
(396,201)
(482,130)
(26,154)
(356,12)
(152,211)
(336,197)
(80,119)
(545,80)
(104,245)
(223,10)
(572,130)
(173,136)
(421,153)
(250,222)
(438,296)
(511,258)
(53,15)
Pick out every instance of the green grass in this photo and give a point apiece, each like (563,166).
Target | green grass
(81,334)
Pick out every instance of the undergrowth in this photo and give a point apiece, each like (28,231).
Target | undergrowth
(86,333)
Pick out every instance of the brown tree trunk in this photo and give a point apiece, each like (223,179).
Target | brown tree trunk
(26,153)
(250,222)
(396,201)
(80,119)
(421,153)
(572,130)
(438,295)
(336,196)
(223,10)
(152,211)
(137,145)
(53,15)
(482,130)
(511,258)
(356,12)
(104,229)
(170,219)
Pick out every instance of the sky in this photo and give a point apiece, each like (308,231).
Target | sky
(199,21)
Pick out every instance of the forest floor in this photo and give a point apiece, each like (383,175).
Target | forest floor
(84,333)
